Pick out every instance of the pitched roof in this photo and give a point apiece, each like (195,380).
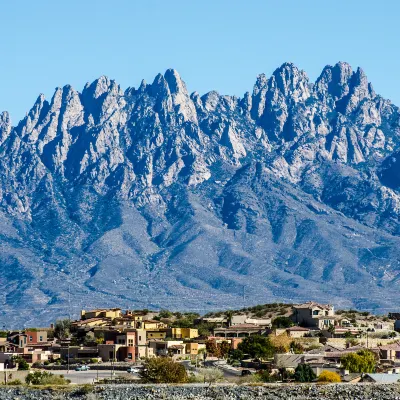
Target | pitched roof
(312,304)
(385,378)
(297,329)
(393,346)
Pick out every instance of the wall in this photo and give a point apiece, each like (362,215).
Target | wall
(371,342)
(12,375)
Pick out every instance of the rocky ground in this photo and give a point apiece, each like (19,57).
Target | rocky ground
(220,392)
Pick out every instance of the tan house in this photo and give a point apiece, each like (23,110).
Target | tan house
(172,348)
(153,325)
(156,334)
(240,330)
(194,348)
(314,315)
(390,352)
(101,313)
(92,322)
(182,333)
(297,332)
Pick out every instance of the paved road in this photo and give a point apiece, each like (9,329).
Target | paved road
(82,377)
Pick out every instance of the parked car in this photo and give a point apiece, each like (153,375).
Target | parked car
(132,370)
(82,368)
(246,372)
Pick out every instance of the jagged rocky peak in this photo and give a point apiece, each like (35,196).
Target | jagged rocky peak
(5,126)
(339,86)
(292,82)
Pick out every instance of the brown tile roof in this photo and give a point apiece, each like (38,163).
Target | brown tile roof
(392,346)
(297,329)
(312,304)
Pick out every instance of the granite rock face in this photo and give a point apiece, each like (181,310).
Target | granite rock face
(154,197)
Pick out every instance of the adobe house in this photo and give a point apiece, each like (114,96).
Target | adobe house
(36,336)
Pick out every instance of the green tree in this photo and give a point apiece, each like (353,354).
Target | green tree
(224,349)
(212,348)
(62,329)
(331,329)
(163,370)
(296,348)
(22,365)
(362,361)
(165,314)
(282,322)
(257,347)
(236,354)
(229,315)
(304,373)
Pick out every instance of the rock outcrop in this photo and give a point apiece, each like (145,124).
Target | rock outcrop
(157,197)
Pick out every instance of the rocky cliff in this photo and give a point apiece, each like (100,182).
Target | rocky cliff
(154,197)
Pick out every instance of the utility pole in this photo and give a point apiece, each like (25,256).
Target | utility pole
(69,302)
(68,359)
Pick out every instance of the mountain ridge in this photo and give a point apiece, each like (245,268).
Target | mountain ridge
(157,197)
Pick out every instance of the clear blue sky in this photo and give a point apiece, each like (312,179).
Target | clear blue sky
(214,44)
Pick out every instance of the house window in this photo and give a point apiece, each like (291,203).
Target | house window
(398,354)
(40,338)
(140,338)
(30,338)
(315,312)
(130,342)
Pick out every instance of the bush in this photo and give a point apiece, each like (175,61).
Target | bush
(22,365)
(282,322)
(207,375)
(45,378)
(163,370)
(15,382)
(329,377)
(304,373)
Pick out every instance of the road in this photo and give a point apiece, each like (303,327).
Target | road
(82,377)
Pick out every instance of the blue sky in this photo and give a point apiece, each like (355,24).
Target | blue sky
(214,44)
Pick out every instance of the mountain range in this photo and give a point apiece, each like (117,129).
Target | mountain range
(154,197)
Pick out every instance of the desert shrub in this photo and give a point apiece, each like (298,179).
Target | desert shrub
(15,382)
(207,375)
(45,378)
(329,377)
(163,370)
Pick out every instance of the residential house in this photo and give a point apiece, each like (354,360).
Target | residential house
(167,347)
(101,313)
(92,322)
(36,336)
(245,319)
(381,378)
(297,332)
(182,333)
(156,334)
(79,352)
(240,330)
(314,315)
(194,348)
(153,325)
(18,338)
(390,352)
